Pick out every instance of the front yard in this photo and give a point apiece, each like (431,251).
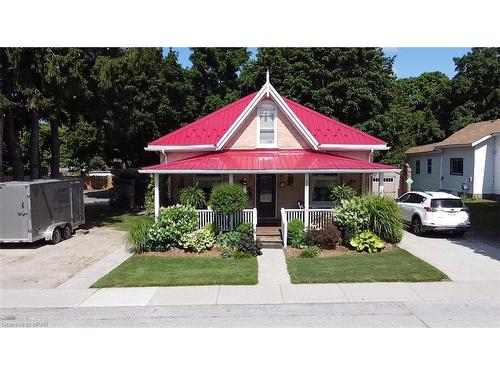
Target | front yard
(147,270)
(394,265)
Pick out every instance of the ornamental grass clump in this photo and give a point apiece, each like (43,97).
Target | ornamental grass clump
(228,199)
(193,196)
(138,238)
(384,217)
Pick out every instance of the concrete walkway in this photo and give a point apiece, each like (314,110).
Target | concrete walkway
(272,267)
(88,276)
(460,258)
(262,294)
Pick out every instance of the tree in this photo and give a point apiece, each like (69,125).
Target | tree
(350,84)
(476,87)
(215,74)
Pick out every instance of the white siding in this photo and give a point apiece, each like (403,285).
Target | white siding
(496,165)
(454,183)
(424,180)
(484,167)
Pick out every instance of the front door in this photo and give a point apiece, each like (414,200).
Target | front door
(266,197)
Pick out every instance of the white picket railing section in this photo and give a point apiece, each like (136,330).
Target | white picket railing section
(228,222)
(318,218)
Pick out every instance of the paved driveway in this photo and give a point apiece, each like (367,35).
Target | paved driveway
(462,259)
(42,265)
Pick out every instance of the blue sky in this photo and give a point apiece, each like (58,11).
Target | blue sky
(410,62)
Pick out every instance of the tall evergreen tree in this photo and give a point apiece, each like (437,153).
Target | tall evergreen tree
(214,74)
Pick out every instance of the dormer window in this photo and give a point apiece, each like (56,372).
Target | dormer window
(266,124)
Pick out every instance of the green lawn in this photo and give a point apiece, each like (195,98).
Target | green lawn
(484,216)
(396,265)
(102,215)
(141,270)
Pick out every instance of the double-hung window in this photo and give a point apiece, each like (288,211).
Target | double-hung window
(457,166)
(266,124)
(417,167)
(429,166)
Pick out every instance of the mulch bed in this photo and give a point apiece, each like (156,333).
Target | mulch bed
(292,252)
(176,252)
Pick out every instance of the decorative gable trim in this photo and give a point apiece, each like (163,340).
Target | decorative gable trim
(267,90)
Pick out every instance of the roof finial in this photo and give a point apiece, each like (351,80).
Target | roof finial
(267,83)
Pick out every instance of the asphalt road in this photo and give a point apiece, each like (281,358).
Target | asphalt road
(396,314)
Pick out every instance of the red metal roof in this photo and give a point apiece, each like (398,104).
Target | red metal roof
(329,131)
(267,160)
(209,129)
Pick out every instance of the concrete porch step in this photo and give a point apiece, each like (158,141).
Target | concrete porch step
(271,245)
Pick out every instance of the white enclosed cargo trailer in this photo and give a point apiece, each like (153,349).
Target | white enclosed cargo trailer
(40,209)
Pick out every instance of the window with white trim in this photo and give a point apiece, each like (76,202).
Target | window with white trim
(266,124)
(319,190)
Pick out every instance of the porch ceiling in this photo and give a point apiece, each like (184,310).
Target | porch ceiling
(264,161)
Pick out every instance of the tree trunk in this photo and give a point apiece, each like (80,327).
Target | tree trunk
(34,145)
(54,147)
(14,147)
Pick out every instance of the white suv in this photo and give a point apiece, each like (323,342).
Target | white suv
(434,211)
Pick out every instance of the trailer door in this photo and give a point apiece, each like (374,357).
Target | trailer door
(14,213)
(77,202)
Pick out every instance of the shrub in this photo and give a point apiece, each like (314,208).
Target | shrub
(227,251)
(138,235)
(384,217)
(242,255)
(351,216)
(212,228)
(296,235)
(341,192)
(310,252)
(245,228)
(368,241)
(326,238)
(248,245)
(229,239)
(193,196)
(228,198)
(199,241)
(173,222)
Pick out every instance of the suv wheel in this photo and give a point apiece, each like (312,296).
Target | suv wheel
(416,226)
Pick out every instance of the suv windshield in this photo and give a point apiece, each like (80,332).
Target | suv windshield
(447,203)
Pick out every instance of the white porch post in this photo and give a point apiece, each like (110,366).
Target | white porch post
(381,184)
(306,201)
(231,178)
(157,195)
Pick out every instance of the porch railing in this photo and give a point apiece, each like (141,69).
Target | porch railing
(317,218)
(228,222)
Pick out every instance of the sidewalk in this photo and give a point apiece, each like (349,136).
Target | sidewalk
(253,295)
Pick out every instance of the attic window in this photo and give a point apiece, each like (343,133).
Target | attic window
(266,124)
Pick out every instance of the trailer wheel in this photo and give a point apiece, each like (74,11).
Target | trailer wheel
(66,232)
(56,236)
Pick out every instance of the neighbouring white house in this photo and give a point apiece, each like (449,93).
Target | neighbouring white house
(286,155)
(467,162)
